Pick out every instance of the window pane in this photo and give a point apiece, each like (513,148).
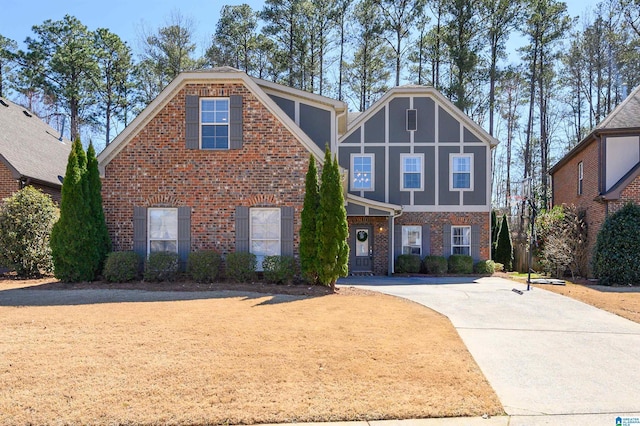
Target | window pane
(222,104)
(411,239)
(207,104)
(163,224)
(461,164)
(362,173)
(215,137)
(411,180)
(160,245)
(222,117)
(411,164)
(207,116)
(462,180)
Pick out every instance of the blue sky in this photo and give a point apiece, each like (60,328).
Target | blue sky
(125,17)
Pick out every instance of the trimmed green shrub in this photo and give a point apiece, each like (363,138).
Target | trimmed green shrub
(204,266)
(121,266)
(616,258)
(26,220)
(408,264)
(504,248)
(435,265)
(308,218)
(241,267)
(484,267)
(460,264)
(162,266)
(279,269)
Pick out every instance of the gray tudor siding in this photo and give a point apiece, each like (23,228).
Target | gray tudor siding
(314,121)
(439,134)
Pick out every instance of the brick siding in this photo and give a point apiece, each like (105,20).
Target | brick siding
(8,185)
(155,169)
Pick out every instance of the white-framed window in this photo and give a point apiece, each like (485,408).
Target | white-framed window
(580,177)
(264,233)
(362,172)
(461,240)
(411,171)
(214,123)
(412,240)
(162,229)
(461,176)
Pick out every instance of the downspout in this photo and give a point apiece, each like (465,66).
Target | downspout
(392,233)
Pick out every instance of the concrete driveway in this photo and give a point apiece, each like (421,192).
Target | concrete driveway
(543,353)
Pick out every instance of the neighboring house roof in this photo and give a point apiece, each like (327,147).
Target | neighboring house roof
(624,118)
(411,89)
(29,147)
(221,74)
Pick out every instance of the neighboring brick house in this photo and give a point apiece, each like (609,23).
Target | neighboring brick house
(31,152)
(218,161)
(602,172)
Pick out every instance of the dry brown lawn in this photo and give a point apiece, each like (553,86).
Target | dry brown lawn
(623,301)
(233,358)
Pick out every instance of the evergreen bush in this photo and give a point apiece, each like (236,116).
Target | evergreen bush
(460,264)
(436,265)
(408,264)
(26,220)
(308,216)
(484,267)
(504,249)
(241,267)
(616,256)
(279,269)
(204,266)
(161,266)
(121,266)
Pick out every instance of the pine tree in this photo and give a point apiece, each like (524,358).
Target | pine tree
(71,241)
(504,249)
(332,228)
(102,242)
(308,239)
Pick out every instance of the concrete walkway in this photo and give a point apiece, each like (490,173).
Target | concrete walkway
(550,359)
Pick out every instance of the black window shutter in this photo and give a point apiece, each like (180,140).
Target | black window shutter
(184,235)
(286,231)
(140,231)
(235,122)
(475,242)
(242,229)
(192,122)
(397,241)
(426,240)
(446,241)
(412,119)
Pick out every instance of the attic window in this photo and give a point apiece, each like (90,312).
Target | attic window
(412,120)
(3,103)
(27,113)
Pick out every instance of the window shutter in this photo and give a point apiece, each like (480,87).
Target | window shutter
(446,241)
(412,119)
(426,240)
(235,122)
(140,231)
(475,242)
(184,234)
(242,229)
(286,230)
(192,122)
(397,241)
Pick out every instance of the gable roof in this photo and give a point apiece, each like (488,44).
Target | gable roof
(220,74)
(29,147)
(413,90)
(624,118)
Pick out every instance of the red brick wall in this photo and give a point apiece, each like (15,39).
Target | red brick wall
(8,185)
(155,169)
(630,193)
(565,189)
(437,222)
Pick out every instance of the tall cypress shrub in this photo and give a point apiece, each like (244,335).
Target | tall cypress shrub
(71,242)
(504,249)
(494,233)
(308,239)
(331,227)
(102,242)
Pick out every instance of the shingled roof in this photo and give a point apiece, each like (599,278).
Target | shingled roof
(29,147)
(625,115)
